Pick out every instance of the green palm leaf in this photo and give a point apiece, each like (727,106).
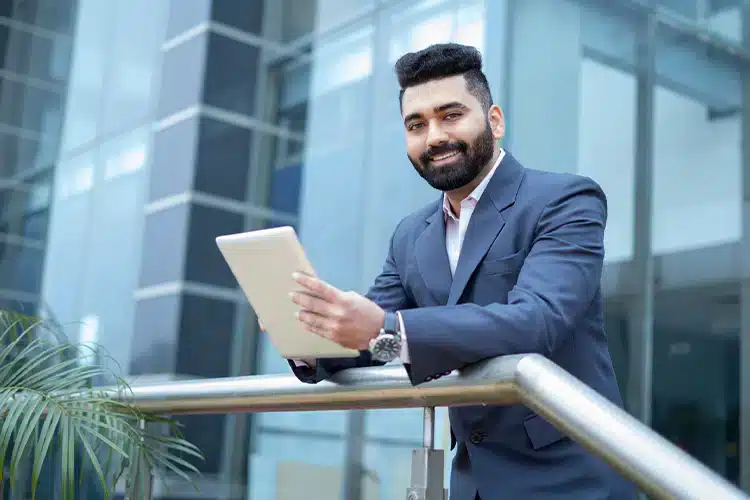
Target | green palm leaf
(48,402)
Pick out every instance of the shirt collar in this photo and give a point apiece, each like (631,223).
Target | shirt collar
(477,193)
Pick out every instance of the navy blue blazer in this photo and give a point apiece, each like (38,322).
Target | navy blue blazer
(527,281)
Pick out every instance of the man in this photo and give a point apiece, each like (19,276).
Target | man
(508,260)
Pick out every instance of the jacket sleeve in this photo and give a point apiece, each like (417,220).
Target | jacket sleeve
(558,280)
(389,293)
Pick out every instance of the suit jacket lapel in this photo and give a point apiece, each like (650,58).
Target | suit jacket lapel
(486,222)
(432,257)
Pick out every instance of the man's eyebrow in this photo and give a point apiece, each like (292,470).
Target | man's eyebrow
(437,109)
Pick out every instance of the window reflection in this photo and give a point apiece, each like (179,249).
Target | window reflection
(431,22)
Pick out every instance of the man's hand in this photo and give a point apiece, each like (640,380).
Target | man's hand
(347,318)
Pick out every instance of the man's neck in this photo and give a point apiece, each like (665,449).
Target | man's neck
(456,196)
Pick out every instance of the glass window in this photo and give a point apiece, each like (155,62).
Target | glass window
(155,334)
(696,374)
(173,168)
(246,16)
(606,145)
(68,239)
(231,73)
(182,76)
(199,316)
(164,240)
(697,147)
(114,232)
(24,153)
(33,53)
(697,207)
(724,17)
(293,466)
(89,61)
(203,261)
(21,265)
(186,14)
(29,106)
(133,63)
(54,15)
(223,159)
(24,210)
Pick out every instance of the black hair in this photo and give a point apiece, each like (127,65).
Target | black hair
(441,61)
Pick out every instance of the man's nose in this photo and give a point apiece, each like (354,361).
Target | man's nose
(436,136)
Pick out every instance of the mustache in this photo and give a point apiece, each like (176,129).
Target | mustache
(461,147)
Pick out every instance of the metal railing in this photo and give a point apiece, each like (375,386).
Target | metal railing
(657,466)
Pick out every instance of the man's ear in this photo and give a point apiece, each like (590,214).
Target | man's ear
(497,121)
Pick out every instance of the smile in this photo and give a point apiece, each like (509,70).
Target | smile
(444,156)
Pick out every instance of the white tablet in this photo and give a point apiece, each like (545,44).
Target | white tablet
(263,262)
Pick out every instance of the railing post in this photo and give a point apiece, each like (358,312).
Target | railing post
(427,465)
(141,479)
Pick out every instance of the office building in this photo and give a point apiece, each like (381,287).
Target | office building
(133,132)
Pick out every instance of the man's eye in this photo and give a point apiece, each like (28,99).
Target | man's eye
(414,126)
(453,116)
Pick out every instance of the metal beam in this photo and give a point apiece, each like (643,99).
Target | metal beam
(657,466)
(639,389)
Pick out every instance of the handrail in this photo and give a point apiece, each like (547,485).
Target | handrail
(657,466)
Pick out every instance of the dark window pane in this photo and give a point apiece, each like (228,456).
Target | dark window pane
(25,154)
(164,245)
(202,316)
(182,75)
(20,266)
(55,15)
(18,305)
(46,57)
(185,14)
(285,189)
(155,335)
(207,433)
(696,392)
(247,15)
(30,107)
(223,159)
(24,211)
(173,159)
(231,71)
(204,263)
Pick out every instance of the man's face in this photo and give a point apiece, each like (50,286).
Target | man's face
(449,137)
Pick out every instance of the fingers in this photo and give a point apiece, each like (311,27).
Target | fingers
(316,323)
(315,304)
(317,287)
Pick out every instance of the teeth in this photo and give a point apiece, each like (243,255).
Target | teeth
(444,156)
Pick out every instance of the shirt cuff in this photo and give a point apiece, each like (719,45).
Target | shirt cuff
(299,362)
(404,346)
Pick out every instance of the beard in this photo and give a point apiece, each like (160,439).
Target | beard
(470,161)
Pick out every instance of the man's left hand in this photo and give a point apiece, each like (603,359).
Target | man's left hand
(347,318)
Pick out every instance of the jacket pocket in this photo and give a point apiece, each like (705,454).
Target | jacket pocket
(541,433)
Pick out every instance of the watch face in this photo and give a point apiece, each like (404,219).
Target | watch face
(387,348)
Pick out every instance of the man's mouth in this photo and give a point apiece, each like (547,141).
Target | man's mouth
(444,156)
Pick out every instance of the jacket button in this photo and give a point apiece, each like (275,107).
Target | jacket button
(476,437)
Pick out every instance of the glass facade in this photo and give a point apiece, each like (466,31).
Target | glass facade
(133,132)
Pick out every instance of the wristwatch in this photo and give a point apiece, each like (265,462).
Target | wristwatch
(387,345)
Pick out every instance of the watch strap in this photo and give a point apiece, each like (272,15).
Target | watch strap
(391,323)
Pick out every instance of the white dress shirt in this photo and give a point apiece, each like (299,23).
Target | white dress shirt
(455,230)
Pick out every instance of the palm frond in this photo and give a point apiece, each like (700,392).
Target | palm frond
(48,401)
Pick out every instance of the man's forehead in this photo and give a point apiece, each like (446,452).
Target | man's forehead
(435,93)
